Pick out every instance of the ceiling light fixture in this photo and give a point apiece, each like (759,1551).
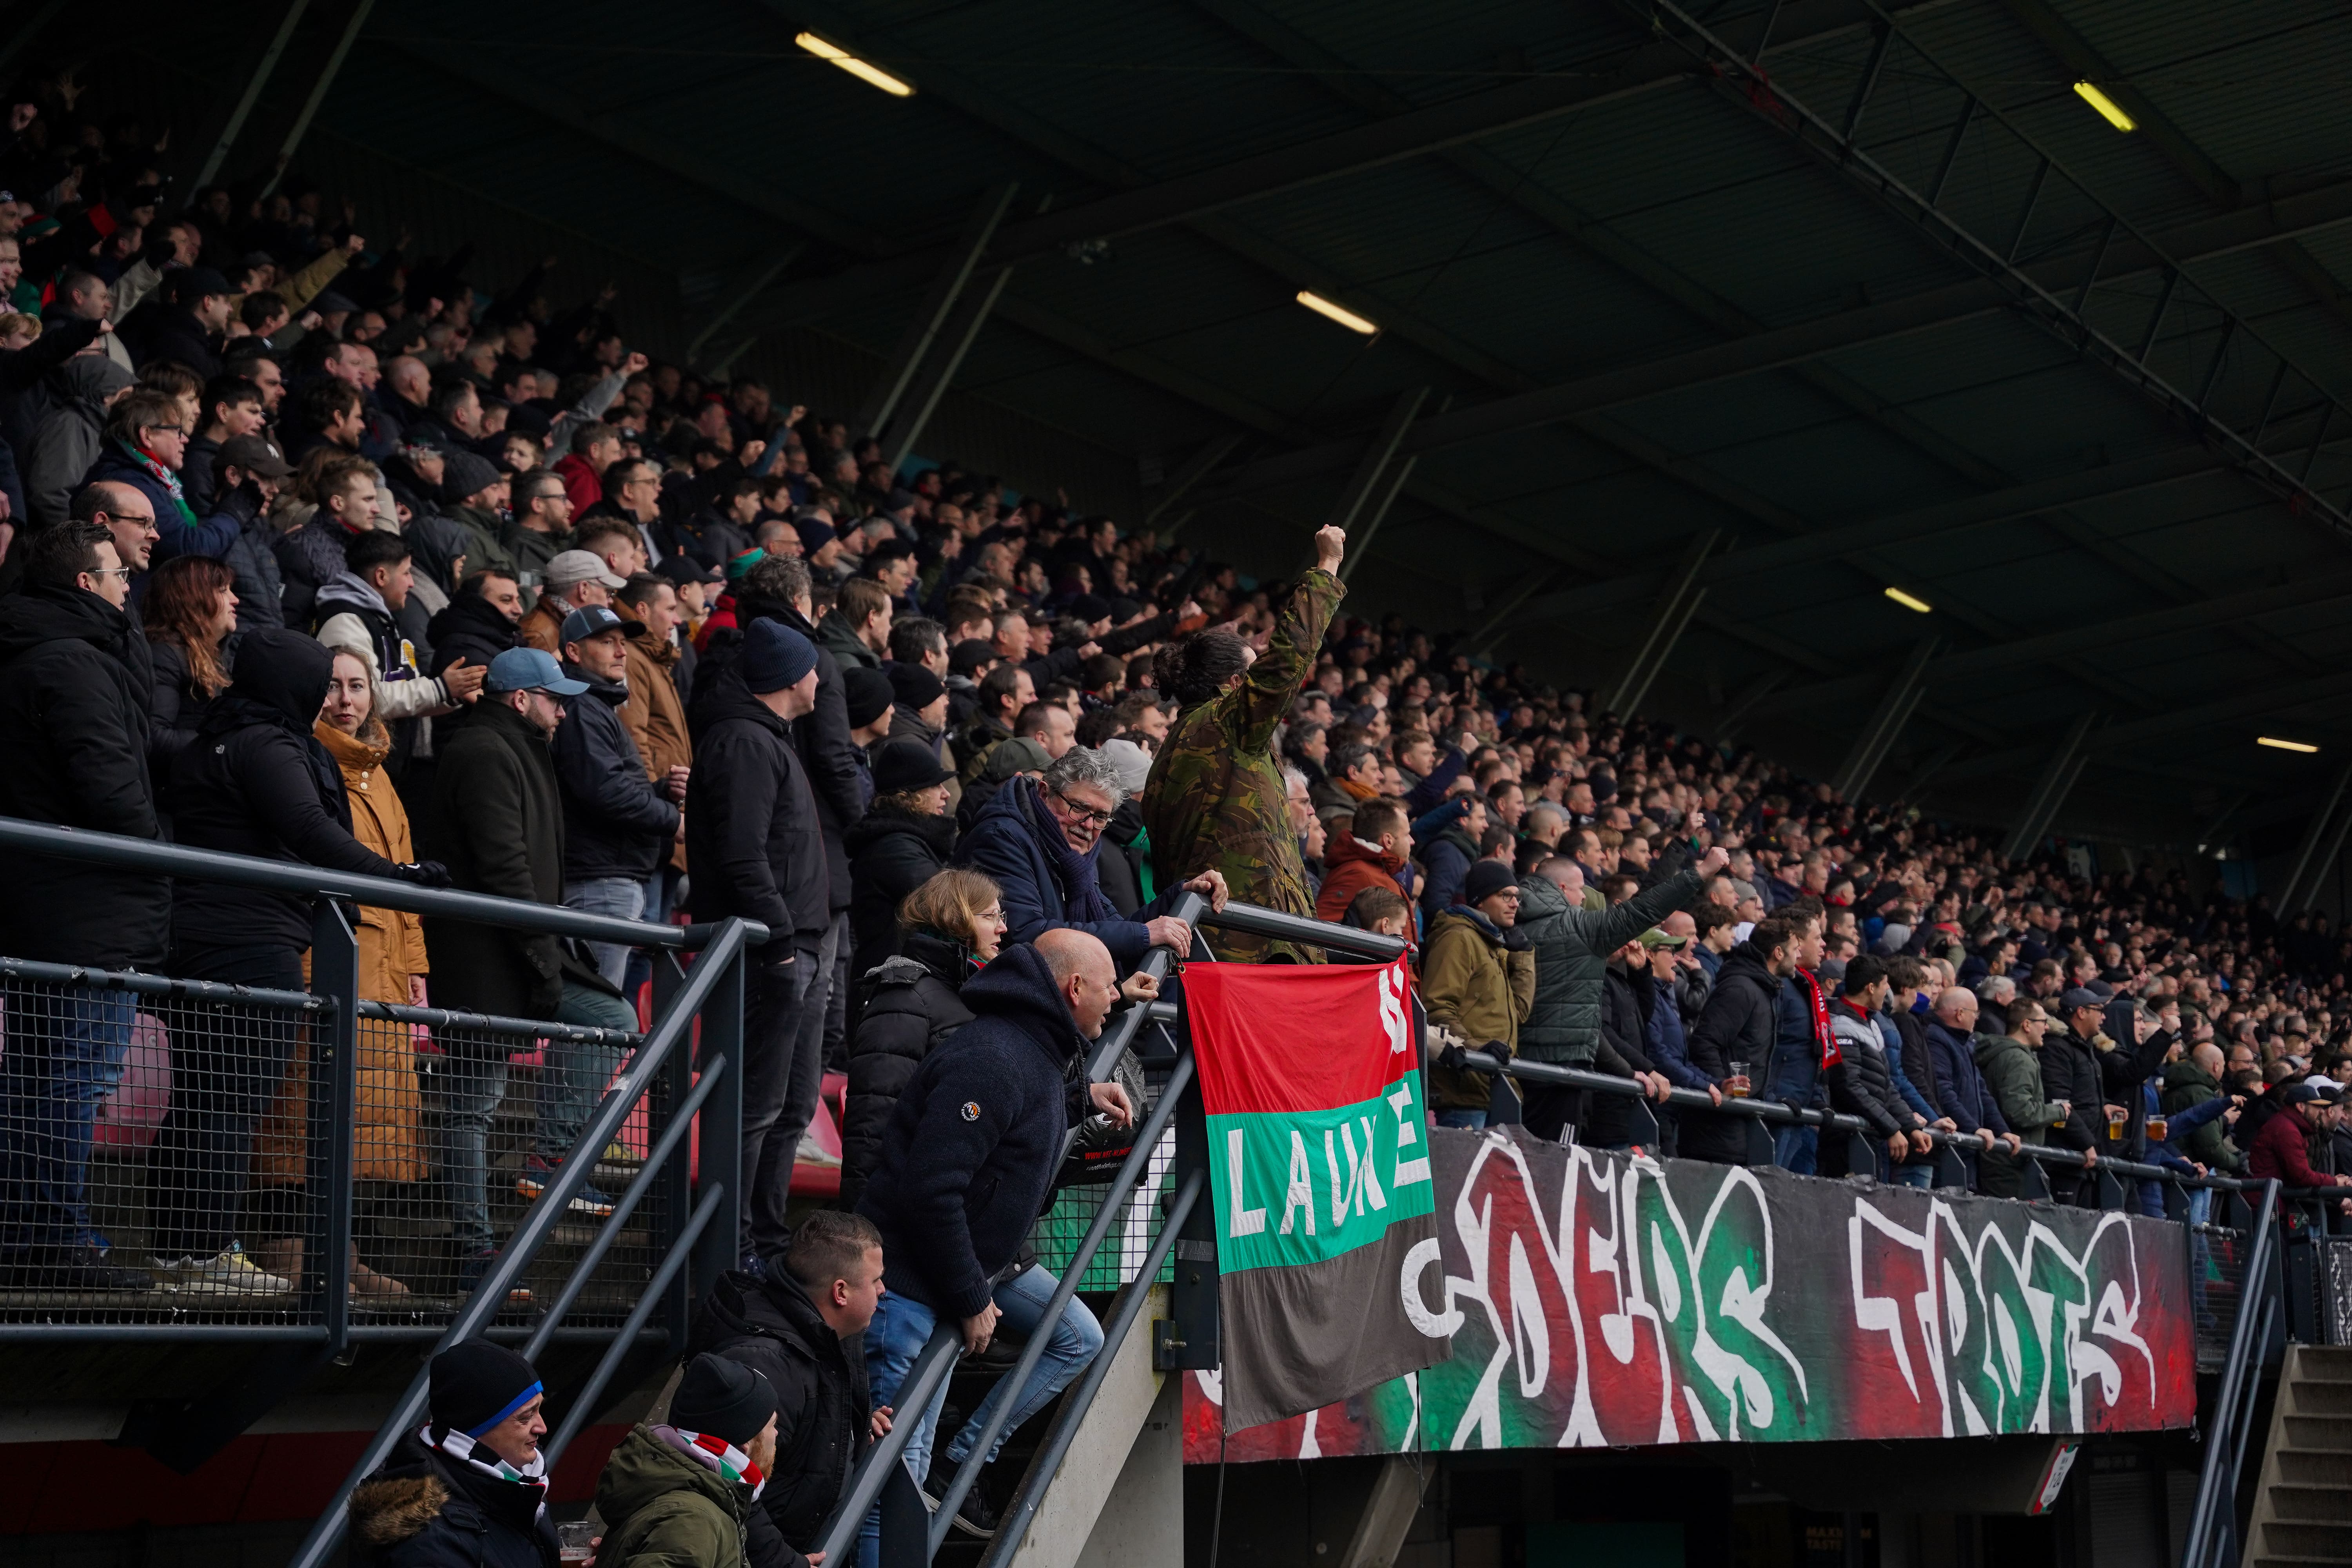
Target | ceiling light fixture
(1910,601)
(2109,110)
(873,76)
(2274,743)
(1340,313)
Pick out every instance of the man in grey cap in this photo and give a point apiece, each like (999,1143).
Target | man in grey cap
(576,579)
(495,820)
(2071,1072)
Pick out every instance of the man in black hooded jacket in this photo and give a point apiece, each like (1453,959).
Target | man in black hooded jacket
(468,1489)
(797,1325)
(74,684)
(1737,1025)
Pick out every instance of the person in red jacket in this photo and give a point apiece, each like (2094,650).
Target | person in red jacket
(2280,1151)
(1368,854)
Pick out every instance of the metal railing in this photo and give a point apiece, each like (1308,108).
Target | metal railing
(2213,1521)
(688,1066)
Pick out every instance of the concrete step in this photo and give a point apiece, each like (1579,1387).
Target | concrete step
(2325,1504)
(2324,1432)
(2322,1397)
(2302,1466)
(2305,1538)
(2284,1559)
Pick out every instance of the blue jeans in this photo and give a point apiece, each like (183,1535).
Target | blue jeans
(227,1061)
(619,897)
(1472,1120)
(1797,1149)
(902,1325)
(472,1078)
(65,1053)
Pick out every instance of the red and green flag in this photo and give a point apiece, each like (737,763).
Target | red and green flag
(1318,1157)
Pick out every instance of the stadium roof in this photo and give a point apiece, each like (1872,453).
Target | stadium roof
(1663,304)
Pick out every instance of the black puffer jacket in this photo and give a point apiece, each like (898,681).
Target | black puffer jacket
(471,629)
(909,1003)
(74,679)
(175,707)
(822,1399)
(252,557)
(2070,1071)
(1861,1084)
(253,781)
(1736,1026)
(1609,1117)
(891,853)
(424,1509)
(615,822)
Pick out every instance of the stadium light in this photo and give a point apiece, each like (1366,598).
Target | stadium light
(873,76)
(1910,601)
(2276,745)
(2109,110)
(1340,313)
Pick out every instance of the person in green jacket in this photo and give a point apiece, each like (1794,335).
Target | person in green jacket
(1216,800)
(678,1494)
(2190,1082)
(1571,945)
(2013,1070)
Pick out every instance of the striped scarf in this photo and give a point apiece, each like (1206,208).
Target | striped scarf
(716,1454)
(162,476)
(469,1451)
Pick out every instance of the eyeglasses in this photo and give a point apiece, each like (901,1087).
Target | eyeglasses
(1083,812)
(125,572)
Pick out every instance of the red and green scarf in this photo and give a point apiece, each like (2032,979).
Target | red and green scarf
(1823,1034)
(164,477)
(718,1453)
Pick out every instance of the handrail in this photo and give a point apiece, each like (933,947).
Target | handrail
(1255,920)
(1131,1171)
(928,1370)
(673,1031)
(1015,1524)
(1773,1111)
(126,853)
(2217,1492)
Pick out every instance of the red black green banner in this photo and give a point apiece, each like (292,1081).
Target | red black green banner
(1319,1150)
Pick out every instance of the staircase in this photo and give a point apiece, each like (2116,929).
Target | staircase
(2303,1512)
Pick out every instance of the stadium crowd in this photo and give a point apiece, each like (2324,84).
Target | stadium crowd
(315,550)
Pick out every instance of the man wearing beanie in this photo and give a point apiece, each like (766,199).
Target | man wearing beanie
(759,853)
(681,1493)
(468,1489)
(798,1327)
(1478,980)
(869,698)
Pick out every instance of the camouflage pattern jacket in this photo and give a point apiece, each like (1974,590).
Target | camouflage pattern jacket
(1215,799)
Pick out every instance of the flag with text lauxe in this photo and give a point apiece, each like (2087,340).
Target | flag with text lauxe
(1319,1156)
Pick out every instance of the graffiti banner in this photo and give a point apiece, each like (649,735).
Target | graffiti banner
(1319,1161)
(1594,1299)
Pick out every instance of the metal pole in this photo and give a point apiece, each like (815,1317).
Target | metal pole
(318,93)
(1197,466)
(334,1113)
(252,91)
(972,313)
(1376,457)
(1672,613)
(722,1147)
(2311,836)
(2049,791)
(947,285)
(743,296)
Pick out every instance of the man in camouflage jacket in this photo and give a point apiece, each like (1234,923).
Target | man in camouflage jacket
(1216,800)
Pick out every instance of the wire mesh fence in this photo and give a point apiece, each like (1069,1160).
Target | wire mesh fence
(1063,1226)
(163,1152)
(2217,1268)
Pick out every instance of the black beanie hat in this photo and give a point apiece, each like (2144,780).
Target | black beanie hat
(1486,879)
(722,1399)
(866,693)
(477,1384)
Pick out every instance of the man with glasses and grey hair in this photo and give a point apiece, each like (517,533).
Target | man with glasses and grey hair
(1040,838)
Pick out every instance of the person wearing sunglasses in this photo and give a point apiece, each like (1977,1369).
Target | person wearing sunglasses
(1041,839)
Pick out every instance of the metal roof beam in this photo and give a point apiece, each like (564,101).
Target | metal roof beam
(2174,144)
(2321,207)
(2328,588)
(1187,197)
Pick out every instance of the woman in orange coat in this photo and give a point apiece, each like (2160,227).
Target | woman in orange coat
(388,1142)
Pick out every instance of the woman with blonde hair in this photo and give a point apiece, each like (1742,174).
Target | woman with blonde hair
(948,927)
(388,1144)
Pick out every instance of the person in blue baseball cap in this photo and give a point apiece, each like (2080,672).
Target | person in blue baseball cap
(497,819)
